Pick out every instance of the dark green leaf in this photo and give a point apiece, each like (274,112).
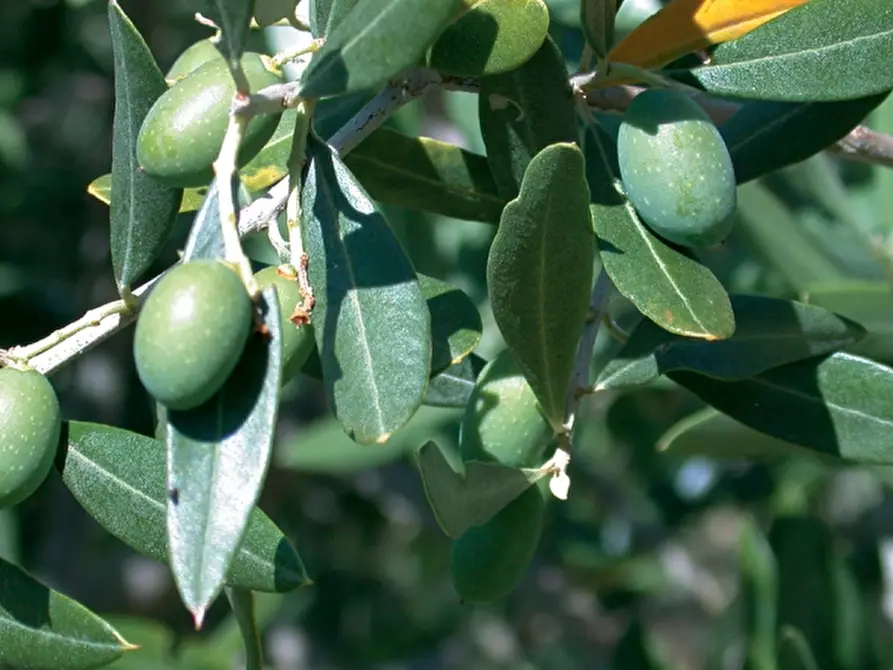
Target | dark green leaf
(473,497)
(332,114)
(325,15)
(142,210)
(242,602)
(426,174)
(217,458)
(127,496)
(371,322)
(271,163)
(43,629)
(490,37)
(636,650)
(206,236)
(714,435)
(769,332)
(822,50)
(869,304)
(539,272)
(837,405)
(524,111)
(374,42)
(453,386)
(456,326)
(597,21)
(663,281)
(268,12)
(233,17)
(759,591)
(765,136)
(794,652)
(324,448)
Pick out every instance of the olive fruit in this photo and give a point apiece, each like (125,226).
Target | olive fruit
(190,60)
(676,169)
(182,134)
(297,341)
(30,424)
(191,333)
(502,421)
(488,561)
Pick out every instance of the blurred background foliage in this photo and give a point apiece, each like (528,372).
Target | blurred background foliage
(658,560)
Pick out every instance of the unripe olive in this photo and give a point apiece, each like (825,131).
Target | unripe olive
(676,169)
(191,332)
(488,561)
(297,341)
(182,134)
(30,423)
(502,420)
(190,60)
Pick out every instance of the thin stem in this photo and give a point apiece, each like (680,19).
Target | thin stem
(299,258)
(291,56)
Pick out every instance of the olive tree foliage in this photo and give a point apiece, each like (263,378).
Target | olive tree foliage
(609,187)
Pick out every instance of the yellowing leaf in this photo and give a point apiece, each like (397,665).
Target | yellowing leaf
(684,26)
(101,189)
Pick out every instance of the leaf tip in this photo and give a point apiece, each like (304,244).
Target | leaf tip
(198,617)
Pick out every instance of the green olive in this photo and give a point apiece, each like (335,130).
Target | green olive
(488,561)
(676,169)
(190,60)
(30,424)
(191,333)
(297,341)
(502,420)
(182,134)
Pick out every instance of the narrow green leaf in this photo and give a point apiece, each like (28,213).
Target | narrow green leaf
(427,175)
(837,405)
(870,304)
(794,652)
(242,603)
(41,628)
(101,189)
(233,17)
(142,210)
(374,42)
(127,497)
(456,327)
(664,282)
(490,37)
(473,497)
(539,272)
(759,591)
(326,15)
(597,21)
(769,228)
(714,435)
(217,459)
(765,136)
(268,12)
(453,386)
(769,332)
(371,322)
(322,447)
(271,163)
(822,50)
(524,111)
(206,236)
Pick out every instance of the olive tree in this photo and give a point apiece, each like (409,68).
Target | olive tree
(608,187)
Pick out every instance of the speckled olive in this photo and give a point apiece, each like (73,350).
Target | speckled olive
(30,423)
(488,561)
(297,341)
(191,332)
(182,134)
(190,60)
(502,420)
(676,169)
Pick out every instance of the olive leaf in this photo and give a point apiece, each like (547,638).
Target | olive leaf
(325,15)
(490,37)
(217,458)
(371,322)
(456,327)
(539,272)
(461,500)
(597,21)
(42,628)
(453,386)
(524,111)
(233,17)
(101,189)
(374,42)
(142,210)
(127,497)
(242,603)
(759,592)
